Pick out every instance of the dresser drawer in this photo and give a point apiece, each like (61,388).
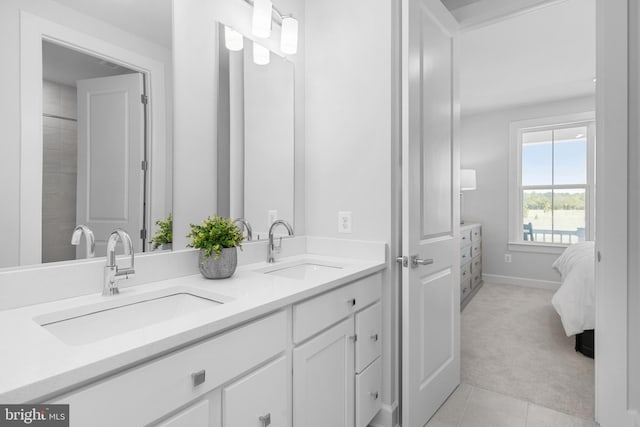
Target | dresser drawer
(465,271)
(476,276)
(476,233)
(465,288)
(476,248)
(465,254)
(139,395)
(369,333)
(368,389)
(476,264)
(465,236)
(315,314)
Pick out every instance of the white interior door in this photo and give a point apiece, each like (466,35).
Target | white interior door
(430,229)
(110,152)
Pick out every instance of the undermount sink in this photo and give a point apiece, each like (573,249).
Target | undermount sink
(303,270)
(86,325)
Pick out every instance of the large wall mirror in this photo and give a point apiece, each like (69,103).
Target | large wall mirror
(96,132)
(255,135)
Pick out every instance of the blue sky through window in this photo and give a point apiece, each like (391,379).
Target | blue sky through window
(566,164)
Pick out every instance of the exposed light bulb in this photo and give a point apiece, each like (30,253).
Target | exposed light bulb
(233,40)
(261,54)
(261,24)
(289,40)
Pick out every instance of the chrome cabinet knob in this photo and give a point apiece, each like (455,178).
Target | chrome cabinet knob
(374,337)
(351,302)
(198,377)
(374,394)
(265,420)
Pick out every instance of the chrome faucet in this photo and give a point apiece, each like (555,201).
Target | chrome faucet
(271,248)
(112,273)
(246,224)
(89,237)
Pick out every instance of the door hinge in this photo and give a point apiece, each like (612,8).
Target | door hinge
(143,234)
(403,260)
(144,165)
(144,99)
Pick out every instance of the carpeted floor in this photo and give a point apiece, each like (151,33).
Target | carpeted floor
(513,343)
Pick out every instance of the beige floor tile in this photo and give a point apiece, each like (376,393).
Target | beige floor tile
(539,416)
(452,410)
(497,403)
(438,423)
(482,416)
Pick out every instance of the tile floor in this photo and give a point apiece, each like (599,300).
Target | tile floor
(471,406)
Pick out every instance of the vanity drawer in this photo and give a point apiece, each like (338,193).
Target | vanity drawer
(465,254)
(261,395)
(465,288)
(465,236)
(369,333)
(139,395)
(315,314)
(476,233)
(476,248)
(368,389)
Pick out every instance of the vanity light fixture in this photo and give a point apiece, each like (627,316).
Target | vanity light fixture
(261,24)
(289,40)
(261,54)
(233,40)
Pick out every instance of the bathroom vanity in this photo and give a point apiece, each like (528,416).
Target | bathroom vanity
(293,343)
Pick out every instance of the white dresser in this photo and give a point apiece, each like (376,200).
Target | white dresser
(470,261)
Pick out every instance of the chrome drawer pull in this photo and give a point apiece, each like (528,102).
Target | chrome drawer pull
(198,377)
(265,420)
(352,302)
(353,337)
(374,394)
(374,337)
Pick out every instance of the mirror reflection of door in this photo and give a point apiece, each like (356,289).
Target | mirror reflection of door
(93,148)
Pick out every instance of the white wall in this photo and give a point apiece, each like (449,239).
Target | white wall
(485,148)
(10,99)
(351,138)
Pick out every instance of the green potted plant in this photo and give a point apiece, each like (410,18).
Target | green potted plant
(218,239)
(163,238)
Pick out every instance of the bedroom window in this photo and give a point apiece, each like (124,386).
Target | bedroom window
(551,194)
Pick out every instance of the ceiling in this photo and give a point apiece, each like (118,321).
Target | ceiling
(149,19)
(543,55)
(67,66)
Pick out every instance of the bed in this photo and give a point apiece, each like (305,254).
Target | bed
(575,299)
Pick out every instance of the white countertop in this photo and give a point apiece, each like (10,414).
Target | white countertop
(35,365)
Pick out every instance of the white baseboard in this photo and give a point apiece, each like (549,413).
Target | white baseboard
(521,281)
(387,417)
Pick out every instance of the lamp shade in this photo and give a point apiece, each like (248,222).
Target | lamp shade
(467,179)
(261,23)
(289,40)
(233,40)
(261,54)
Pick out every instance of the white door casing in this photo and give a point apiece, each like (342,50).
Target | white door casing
(110,151)
(430,211)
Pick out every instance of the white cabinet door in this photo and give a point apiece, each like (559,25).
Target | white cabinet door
(323,379)
(259,399)
(196,415)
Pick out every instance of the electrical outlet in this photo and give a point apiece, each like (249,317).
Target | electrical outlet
(272,215)
(344,222)
(507,257)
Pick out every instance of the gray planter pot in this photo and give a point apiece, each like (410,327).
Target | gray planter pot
(220,268)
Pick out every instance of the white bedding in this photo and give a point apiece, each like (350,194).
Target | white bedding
(575,300)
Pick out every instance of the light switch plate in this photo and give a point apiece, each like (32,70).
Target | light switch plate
(344,222)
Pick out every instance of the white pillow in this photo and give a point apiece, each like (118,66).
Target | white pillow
(572,255)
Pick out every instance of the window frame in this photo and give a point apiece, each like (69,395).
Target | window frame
(516,130)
